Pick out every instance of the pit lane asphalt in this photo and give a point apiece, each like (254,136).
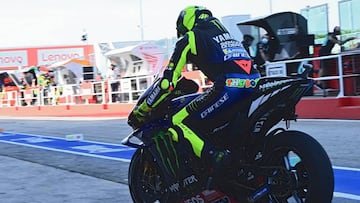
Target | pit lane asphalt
(33,175)
(37,175)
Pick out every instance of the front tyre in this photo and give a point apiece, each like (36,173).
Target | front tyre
(146,182)
(304,172)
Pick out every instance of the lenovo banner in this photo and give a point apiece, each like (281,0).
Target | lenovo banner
(13,58)
(50,56)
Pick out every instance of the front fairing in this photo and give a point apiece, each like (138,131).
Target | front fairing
(142,136)
(145,94)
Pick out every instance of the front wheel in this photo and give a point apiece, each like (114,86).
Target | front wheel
(302,169)
(146,182)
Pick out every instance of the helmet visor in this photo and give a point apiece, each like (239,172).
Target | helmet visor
(180,27)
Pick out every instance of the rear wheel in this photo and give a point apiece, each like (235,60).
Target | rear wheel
(145,179)
(302,171)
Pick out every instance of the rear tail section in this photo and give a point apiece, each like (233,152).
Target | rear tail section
(275,99)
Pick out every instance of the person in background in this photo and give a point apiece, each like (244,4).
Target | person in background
(57,94)
(2,93)
(2,86)
(35,91)
(23,86)
(98,77)
(98,88)
(262,53)
(329,42)
(205,42)
(112,77)
(44,83)
(246,42)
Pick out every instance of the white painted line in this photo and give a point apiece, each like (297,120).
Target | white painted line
(347,196)
(63,138)
(71,152)
(346,168)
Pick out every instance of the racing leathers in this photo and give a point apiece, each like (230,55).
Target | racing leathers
(226,63)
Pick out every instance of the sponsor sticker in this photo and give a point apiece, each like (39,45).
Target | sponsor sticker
(241,83)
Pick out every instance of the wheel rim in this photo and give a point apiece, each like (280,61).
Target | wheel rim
(146,184)
(290,173)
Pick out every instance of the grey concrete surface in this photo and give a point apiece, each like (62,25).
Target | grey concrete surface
(32,175)
(28,182)
(36,172)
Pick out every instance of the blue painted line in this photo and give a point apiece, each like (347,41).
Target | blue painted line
(87,148)
(347,180)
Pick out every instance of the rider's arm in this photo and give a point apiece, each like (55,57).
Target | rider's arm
(340,42)
(171,75)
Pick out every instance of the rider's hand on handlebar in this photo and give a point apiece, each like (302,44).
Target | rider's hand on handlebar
(141,112)
(139,115)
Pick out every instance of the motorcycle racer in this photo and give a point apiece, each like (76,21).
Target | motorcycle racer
(205,42)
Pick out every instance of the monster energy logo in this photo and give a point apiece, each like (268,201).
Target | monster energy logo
(167,151)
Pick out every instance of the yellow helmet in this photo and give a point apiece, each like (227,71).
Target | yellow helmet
(188,18)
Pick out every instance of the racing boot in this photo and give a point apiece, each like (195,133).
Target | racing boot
(218,161)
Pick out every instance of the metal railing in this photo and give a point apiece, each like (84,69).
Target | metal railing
(98,92)
(343,74)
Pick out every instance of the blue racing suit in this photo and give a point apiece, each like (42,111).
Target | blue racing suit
(225,62)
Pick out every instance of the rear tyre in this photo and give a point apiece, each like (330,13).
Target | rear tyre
(307,176)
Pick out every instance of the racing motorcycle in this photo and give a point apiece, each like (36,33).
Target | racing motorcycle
(269,163)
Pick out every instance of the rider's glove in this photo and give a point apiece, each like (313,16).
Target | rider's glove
(142,111)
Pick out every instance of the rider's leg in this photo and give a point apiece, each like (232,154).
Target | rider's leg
(215,159)
(185,129)
(213,109)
